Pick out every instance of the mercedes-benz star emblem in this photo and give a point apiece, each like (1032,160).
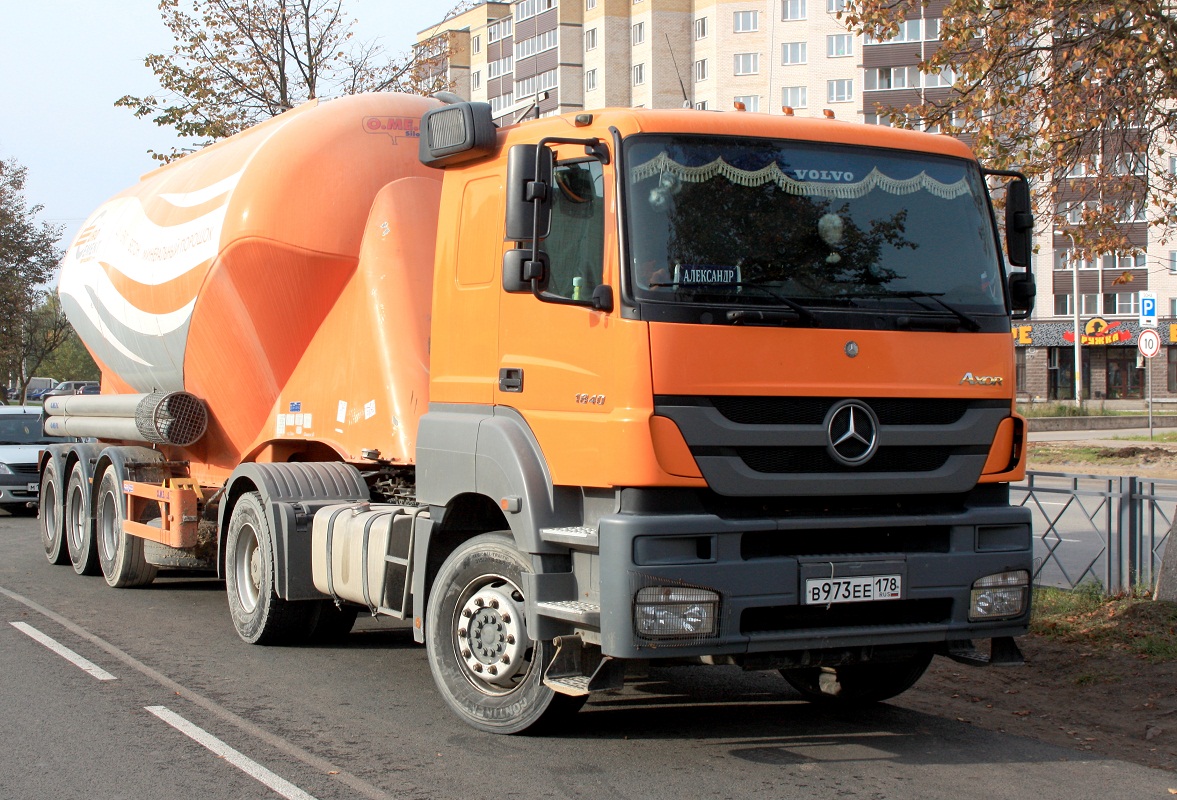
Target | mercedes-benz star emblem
(853,431)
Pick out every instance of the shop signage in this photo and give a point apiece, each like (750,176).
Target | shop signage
(1098,331)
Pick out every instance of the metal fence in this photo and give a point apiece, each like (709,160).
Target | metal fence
(1096,528)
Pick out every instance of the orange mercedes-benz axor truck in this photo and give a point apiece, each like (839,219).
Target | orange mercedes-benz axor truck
(722,388)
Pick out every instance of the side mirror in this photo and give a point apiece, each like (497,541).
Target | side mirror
(1019,223)
(519,268)
(529,201)
(1022,292)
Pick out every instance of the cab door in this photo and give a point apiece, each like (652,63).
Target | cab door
(575,373)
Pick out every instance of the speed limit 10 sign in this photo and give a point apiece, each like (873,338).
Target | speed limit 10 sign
(1149,343)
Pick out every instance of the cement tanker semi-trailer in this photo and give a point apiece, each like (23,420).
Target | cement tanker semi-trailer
(565,395)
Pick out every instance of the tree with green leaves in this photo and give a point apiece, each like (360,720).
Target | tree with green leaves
(28,261)
(238,62)
(1079,94)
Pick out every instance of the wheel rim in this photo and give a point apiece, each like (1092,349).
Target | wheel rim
(74,518)
(109,529)
(49,526)
(490,635)
(247,568)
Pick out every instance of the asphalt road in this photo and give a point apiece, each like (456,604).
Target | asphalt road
(169,703)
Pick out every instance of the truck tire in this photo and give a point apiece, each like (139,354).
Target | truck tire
(858,684)
(121,555)
(79,527)
(497,685)
(259,615)
(52,513)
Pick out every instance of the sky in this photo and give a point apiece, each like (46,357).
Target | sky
(64,63)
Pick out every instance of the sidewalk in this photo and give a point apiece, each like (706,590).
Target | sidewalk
(1108,438)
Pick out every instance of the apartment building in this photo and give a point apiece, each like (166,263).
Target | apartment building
(766,55)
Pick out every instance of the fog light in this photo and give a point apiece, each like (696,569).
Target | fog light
(1000,596)
(675,611)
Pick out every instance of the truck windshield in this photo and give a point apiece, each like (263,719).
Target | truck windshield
(733,221)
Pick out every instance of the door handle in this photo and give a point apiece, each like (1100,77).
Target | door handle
(510,379)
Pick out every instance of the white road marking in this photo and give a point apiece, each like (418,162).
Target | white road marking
(63,651)
(315,762)
(237,759)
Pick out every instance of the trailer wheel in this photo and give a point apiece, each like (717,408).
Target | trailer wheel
(79,527)
(858,684)
(484,663)
(259,615)
(121,555)
(52,513)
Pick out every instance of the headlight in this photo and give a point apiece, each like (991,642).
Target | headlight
(675,611)
(1000,596)
(6,470)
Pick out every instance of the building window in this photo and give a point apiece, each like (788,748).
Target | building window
(589,5)
(883,78)
(1122,303)
(1173,306)
(536,44)
(590,39)
(1171,353)
(498,30)
(1089,304)
(502,103)
(835,5)
(751,101)
(590,80)
(745,22)
(945,77)
(528,87)
(529,8)
(1173,165)
(701,69)
(701,28)
(795,97)
(1173,263)
(839,45)
(701,105)
(840,91)
(793,9)
(476,44)
(747,63)
(639,74)
(910,30)
(639,33)
(501,67)
(793,53)
(476,79)
(1062,305)
(1020,369)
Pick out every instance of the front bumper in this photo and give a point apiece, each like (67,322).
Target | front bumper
(758,567)
(19,489)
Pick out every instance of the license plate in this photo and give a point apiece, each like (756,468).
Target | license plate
(33,487)
(857,589)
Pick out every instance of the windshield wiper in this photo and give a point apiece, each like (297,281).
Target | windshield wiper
(964,319)
(741,315)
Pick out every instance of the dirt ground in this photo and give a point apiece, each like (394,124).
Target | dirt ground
(1112,704)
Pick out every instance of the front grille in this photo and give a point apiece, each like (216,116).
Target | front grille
(23,469)
(794,543)
(813,459)
(782,619)
(813,410)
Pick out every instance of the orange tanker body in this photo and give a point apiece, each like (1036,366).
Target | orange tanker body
(613,386)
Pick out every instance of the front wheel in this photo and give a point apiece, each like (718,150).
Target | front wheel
(485,665)
(858,684)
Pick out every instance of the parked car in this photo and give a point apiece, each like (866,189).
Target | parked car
(21,443)
(90,388)
(69,387)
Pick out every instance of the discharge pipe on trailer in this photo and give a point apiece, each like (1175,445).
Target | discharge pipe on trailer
(177,418)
